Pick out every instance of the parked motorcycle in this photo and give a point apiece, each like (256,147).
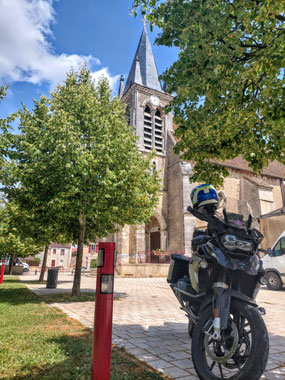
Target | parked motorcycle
(217,288)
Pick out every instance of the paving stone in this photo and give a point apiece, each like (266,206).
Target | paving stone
(158,351)
(160,364)
(142,345)
(156,343)
(129,345)
(179,355)
(147,357)
(175,372)
(274,375)
(166,357)
(183,363)
(136,351)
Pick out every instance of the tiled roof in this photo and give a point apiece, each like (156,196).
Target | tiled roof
(275,168)
(258,182)
(56,245)
(143,70)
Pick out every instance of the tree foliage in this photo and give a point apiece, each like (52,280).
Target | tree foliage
(2,93)
(228,80)
(13,239)
(77,160)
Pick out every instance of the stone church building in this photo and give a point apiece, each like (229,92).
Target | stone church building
(171,227)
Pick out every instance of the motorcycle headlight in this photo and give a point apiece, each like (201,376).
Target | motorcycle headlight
(231,242)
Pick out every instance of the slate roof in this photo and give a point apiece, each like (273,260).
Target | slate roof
(143,70)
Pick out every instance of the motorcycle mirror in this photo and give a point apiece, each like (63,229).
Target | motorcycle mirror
(225,216)
(198,214)
(249,221)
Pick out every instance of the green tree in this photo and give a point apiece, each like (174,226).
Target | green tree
(78,160)
(228,80)
(2,92)
(34,219)
(13,240)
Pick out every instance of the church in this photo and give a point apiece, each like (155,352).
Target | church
(140,248)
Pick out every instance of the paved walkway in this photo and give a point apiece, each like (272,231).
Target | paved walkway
(147,321)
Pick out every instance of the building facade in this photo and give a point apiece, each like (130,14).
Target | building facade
(59,255)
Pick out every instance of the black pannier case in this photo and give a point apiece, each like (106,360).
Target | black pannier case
(178,268)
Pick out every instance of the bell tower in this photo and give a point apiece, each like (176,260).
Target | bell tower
(146,99)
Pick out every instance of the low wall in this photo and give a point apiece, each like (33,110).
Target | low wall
(17,270)
(271,228)
(142,270)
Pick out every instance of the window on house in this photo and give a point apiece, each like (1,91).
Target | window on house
(62,252)
(92,247)
(54,251)
(61,263)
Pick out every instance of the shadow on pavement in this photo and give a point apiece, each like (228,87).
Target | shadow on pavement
(168,348)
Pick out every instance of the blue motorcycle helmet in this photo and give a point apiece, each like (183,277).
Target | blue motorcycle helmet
(204,195)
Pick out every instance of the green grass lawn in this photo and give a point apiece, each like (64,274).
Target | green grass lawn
(40,342)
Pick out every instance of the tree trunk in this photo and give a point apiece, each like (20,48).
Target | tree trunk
(11,263)
(44,264)
(77,275)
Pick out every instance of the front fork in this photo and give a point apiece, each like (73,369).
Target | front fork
(221,305)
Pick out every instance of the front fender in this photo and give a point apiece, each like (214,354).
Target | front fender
(208,299)
(222,301)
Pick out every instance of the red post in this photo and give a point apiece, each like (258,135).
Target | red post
(2,271)
(102,340)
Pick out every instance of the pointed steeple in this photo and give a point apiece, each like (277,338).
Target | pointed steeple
(143,70)
(121,87)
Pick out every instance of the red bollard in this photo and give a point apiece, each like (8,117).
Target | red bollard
(2,271)
(102,340)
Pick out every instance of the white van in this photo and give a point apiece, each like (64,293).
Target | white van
(274,264)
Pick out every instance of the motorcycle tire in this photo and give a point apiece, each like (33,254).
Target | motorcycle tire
(191,326)
(250,366)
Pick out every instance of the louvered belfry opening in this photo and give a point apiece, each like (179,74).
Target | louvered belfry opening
(153,130)
(158,137)
(147,129)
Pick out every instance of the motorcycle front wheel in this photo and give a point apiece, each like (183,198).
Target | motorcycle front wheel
(242,352)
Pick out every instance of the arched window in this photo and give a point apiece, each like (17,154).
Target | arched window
(153,130)
(154,167)
(128,116)
(147,138)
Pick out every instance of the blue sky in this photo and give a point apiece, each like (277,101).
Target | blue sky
(41,39)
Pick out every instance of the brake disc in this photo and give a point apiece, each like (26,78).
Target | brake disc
(240,357)
(219,352)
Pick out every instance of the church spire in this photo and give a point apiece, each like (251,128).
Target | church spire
(143,70)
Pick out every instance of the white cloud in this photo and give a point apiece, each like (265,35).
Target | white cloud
(25,53)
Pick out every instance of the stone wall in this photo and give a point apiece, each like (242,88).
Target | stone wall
(143,270)
(175,202)
(271,228)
